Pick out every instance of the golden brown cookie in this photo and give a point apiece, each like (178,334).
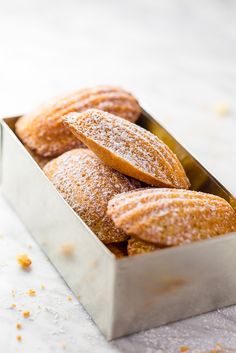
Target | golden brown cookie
(128,148)
(118,249)
(137,246)
(44,132)
(87,184)
(170,216)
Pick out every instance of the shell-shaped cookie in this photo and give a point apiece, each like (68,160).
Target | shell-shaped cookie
(87,184)
(43,130)
(137,246)
(171,217)
(128,148)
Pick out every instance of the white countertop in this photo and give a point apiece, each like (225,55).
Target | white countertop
(179,58)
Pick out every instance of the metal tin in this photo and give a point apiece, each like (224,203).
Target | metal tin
(128,294)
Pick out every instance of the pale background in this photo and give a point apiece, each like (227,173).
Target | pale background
(179,59)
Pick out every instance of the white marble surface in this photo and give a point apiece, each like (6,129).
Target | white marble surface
(179,58)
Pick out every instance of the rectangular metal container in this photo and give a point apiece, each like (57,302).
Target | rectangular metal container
(129,294)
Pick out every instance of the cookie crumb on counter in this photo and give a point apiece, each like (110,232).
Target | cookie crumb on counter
(26,314)
(13,306)
(19,338)
(13,293)
(18,326)
(184,349)
(69,298)
(67,249)
(222,109)
(63,345)
(42,286)
(24,261)
(31,292)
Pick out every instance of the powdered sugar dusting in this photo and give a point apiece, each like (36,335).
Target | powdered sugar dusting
(135,145)
(43,129)
(172,217)
(87,185)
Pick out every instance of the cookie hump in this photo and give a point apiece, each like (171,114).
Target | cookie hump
(137,246)
(43,130)
(87,185)
(128,148)
(171,217)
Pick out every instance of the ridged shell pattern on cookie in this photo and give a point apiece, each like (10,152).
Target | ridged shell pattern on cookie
(171,217)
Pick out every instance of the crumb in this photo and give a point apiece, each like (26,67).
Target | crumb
(78,297)
(222,109)
(29,246)
(26,314)
(184,349)
(42,286)
(13,293)
(67,249)
(13,306)
(69,298)
(19,338)
(31,292)
(18,326)
(24,260)
(63,345)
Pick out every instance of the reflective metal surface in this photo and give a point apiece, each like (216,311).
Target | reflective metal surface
(129,294)
(199,177)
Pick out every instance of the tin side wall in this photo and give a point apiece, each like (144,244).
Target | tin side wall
(82,260)
(169,285)
(135,293)
(199,177)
